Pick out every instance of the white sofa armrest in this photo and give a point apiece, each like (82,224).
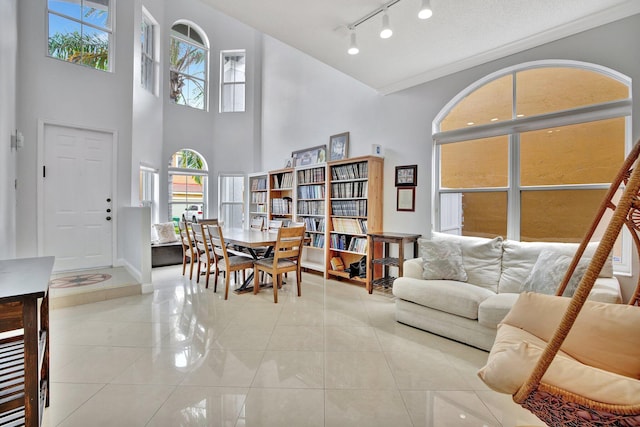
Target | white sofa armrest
(413,268)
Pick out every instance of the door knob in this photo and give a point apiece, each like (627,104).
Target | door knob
(108,218)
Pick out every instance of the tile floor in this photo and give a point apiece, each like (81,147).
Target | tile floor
(182,356)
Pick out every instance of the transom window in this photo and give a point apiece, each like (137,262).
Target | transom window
(232,81)
(80,31)
(188,175)
(189,68)
(529,152)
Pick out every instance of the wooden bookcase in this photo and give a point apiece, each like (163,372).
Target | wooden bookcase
(281,195)
(311,209)
(355,208)
(258,196)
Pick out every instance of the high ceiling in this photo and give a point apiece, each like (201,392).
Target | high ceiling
(461,33)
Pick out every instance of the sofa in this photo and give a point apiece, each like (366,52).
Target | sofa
(461,287)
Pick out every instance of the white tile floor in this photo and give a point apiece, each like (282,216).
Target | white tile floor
(183,356)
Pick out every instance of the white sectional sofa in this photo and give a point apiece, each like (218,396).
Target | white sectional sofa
(496,271)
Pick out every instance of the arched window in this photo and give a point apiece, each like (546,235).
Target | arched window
(529,152)
(189,65)
(188,176)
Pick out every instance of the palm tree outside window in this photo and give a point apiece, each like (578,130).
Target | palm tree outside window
(188,56)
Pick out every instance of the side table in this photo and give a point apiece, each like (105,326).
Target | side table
(387,238)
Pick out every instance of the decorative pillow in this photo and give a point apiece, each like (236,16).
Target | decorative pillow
(166,232)
(442,260)
(548,272)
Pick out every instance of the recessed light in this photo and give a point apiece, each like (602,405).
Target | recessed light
(519,115)
(495,119)
(470,123)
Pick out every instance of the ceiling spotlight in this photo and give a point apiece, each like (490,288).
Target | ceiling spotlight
(353,44)
(425,10)
(386,28)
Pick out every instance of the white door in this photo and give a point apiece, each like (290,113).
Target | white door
(78,207)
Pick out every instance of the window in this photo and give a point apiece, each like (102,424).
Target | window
(232,81)
(189,57)
(80,31)
(149,191)
(529,152)
(187,186)
(231,200)
(148,60)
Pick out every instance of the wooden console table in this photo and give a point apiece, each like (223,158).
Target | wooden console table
(24,346)
(387,261)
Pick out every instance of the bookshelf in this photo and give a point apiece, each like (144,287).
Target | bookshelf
(311,209)
(258,196)
(281,195)
(355,208)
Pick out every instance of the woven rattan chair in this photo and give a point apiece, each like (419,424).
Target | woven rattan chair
(562,403)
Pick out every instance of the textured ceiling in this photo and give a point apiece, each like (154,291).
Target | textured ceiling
(461,33)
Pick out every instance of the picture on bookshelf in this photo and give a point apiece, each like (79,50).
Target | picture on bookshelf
(407,176)
(339,146)
(310,156)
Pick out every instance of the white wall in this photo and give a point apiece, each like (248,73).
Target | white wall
(229,142)
(53,90)
(8,59)
(305,101)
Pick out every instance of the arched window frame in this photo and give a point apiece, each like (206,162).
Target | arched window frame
(517,125)
(179,171)
(183,72)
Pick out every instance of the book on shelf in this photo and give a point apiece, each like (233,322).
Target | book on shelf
(281,206)
(283,180)
(306,207)
(349,225)
(351,171)
(310,176)
(258,184)
(349,207)
(337,263)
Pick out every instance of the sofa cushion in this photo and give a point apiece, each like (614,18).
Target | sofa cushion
(442,260)
(606,336)
(519,258)
(493,309)
(459,298)
(516,352)
(165,232)
(549,270)
(481,258)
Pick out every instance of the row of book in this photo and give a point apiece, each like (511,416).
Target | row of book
(281,206)
(311,192)
(314,224)
(349,207)
(344,242)
(258,184)
(282,180)
(315,207)
(317,241)
(350,171)
(349,225)
(349,189)
(259,197)
(310,176)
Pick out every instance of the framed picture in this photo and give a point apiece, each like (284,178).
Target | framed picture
(407,176)
(406,199)
(339,146)
(310,156)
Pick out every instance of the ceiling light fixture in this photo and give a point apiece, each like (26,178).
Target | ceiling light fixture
(425,10)
(386,32)
(353,44)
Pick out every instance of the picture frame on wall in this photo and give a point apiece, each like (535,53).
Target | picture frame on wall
(406,199)
(310,156)
(339,146)
(407,176)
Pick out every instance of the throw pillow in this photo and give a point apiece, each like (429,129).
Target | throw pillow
(548,272)
(166,232)
(442,260)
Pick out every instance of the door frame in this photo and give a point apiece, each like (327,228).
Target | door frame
(40,182)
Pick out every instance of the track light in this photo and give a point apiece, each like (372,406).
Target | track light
(386,31)
(425,10)
(353,44)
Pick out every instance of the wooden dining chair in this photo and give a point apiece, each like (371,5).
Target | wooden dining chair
(202,249)
(188,251)
(286,257)
(224,261)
